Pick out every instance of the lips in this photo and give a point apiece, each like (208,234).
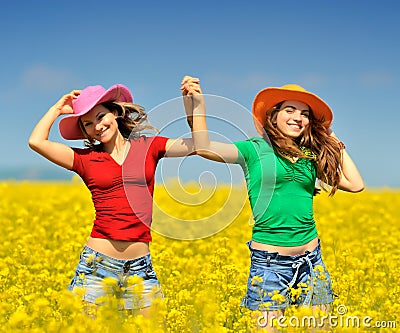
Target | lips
(103,133)
(295,126)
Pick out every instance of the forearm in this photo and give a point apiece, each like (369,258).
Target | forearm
(200,135)
(196,110)
(212,150)
(41,132)
(179,147)
(352,178)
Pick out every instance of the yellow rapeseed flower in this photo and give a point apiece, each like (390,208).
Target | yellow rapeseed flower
(203,280)
(256,280)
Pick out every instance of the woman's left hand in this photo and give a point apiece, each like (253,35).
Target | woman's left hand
(330,132)
(192,95)
(190,86)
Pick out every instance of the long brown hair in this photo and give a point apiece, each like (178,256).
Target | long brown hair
(131,119)
(328,158)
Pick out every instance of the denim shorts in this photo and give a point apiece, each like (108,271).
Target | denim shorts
(99,278)
(276,281)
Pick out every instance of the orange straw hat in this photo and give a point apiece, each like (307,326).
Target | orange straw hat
(269,97)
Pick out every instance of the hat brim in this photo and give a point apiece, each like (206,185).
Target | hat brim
(69,127)
(269,97)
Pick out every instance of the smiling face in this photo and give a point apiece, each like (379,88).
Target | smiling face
(100,124)
(293,118)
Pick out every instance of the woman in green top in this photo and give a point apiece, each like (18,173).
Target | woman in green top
(296,148)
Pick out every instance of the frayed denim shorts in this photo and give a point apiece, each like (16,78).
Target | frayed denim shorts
(276,282)
(99,278)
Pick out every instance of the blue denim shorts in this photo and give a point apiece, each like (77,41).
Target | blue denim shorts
(276,282)
(132,282)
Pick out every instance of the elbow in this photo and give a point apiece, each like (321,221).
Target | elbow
(202,152)
(33,144)
(209,155)
(359,187)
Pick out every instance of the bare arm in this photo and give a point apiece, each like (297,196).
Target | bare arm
(55,152)
(350,178)
(182,147)
(179,147)
(194,102)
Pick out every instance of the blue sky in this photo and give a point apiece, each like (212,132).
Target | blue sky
(347,52)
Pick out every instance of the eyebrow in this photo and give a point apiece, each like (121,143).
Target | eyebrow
(85,121)
(293,107)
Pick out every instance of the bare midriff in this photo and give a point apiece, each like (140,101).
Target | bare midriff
(287,250)
(118,249)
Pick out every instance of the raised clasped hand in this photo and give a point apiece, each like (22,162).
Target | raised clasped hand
(64,104)
(190,86)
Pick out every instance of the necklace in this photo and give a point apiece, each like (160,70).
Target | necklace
(309,153)
(305,151)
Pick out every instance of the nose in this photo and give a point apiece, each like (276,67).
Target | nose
(297,115)
(99,125)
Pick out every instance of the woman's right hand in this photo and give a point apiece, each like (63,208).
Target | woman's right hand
(55,152)
(190,86)
(64,104)
(195,110)
(191,92)
(192,96)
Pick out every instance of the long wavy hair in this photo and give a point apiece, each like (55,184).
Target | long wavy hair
(131,119)
(328,157)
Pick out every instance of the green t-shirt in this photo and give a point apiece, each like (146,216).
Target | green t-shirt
(280,194)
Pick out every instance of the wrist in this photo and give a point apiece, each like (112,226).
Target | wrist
(342,146)
(55,111)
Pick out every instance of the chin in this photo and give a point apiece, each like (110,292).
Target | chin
(294,135)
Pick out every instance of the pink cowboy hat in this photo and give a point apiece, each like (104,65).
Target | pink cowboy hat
(269,97)
(87,100)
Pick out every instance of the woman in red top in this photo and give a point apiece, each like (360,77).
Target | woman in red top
(118,168)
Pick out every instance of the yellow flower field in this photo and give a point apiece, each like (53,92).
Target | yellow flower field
(44,226)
